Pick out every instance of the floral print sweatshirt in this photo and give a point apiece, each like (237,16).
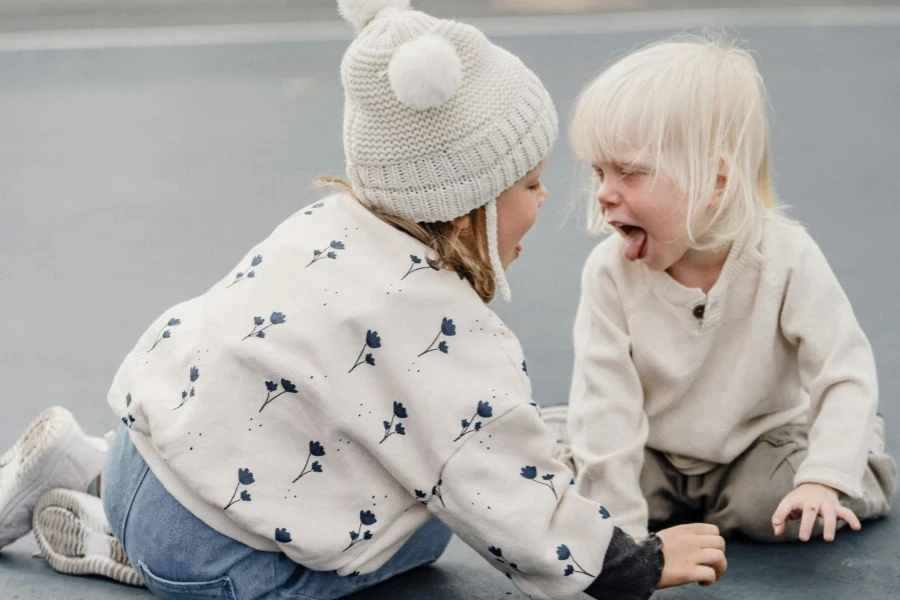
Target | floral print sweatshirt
(337,390)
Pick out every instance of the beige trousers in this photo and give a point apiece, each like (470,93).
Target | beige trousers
(741,497)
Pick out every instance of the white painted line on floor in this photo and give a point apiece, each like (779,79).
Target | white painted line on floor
(270,33)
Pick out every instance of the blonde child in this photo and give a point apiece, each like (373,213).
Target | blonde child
(323,417)
(720,370)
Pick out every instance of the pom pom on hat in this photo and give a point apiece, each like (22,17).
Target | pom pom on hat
(361,12)
(425,72)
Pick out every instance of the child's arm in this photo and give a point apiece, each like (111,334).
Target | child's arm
(837,369)
(607,425)
(515,505)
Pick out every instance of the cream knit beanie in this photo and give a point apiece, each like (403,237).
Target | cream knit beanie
(437,120)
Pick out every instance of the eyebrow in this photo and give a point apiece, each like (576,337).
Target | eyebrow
(636,166)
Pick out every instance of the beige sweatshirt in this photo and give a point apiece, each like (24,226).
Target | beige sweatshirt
(776,342)
(336,391)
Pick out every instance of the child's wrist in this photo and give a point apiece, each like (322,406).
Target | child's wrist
(631,570)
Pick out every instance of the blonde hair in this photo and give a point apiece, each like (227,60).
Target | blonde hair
(463,250)
(687,105)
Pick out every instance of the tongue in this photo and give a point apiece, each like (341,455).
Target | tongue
(634,243)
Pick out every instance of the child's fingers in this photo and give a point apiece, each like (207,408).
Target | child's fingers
(845,514)
(784,510)
(829,517)
(716,542)
(810,514)
(704,575)
(703,529)
(711,557)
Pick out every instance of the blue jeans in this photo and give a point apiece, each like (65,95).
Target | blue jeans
(181,558)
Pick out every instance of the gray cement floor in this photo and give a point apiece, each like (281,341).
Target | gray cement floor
(132,179)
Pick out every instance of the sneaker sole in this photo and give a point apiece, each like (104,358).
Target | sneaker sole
(14,522)
(74,536)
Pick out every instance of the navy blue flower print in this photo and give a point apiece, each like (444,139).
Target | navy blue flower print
(310,210)
(329,252)
(128,420)
(366,519)
(245,478)
(416,262)
(603,512)
(436,492)
(484,411)
(250,274)
(315,449)
(448,329)
(423,498)
(283,536)
(389,427)
(271,386)
(498,552)
(563,553)
(525,367)
(531,474)
(165,333)
(187,394)
(373,341)
(276,318)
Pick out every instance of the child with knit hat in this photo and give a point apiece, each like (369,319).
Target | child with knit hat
(720,372)
(323,417)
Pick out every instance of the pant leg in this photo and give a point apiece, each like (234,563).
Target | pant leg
(665,490)
(423,548)
(181,558)
(879,480)
(757,482)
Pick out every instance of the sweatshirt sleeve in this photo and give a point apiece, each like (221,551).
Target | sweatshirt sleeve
(837,369)
(506,496)
(608,428)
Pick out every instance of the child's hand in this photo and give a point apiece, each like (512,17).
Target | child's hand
(693,554)
(810,500)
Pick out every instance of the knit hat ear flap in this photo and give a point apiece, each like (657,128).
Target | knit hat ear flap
(425,72)
(361,12)
(494,251)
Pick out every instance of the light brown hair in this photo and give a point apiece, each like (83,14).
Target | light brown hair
(463,250)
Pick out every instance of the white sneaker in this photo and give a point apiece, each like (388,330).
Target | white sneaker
(74,536)
(52,453)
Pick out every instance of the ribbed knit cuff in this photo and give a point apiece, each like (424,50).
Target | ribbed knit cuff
(631,571)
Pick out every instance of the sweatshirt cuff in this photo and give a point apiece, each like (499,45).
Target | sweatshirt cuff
(631,571)
(849,486)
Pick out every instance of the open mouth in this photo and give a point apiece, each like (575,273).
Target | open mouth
(635,247)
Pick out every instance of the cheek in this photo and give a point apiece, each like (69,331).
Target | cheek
(521,224)
(516,216)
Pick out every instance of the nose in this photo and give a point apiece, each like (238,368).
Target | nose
(607,194)
(543,197)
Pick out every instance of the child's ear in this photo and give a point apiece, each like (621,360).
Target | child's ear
(721,184)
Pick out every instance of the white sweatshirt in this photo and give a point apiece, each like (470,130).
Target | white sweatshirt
(776,342)
(335,392)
